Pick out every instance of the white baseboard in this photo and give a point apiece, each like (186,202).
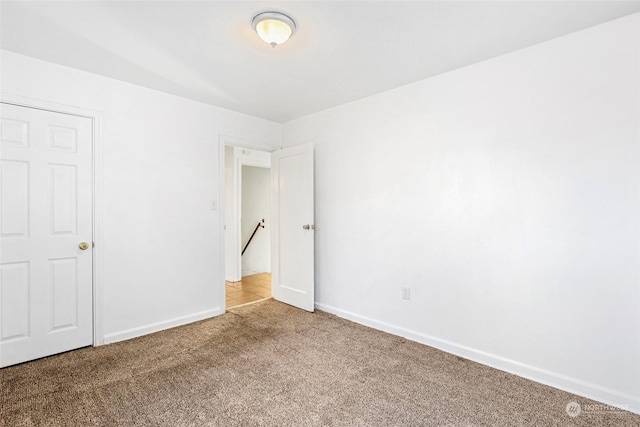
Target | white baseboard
(553,379)
(160,326)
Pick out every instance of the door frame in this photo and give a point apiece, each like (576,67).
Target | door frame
(223,141)
(97,194)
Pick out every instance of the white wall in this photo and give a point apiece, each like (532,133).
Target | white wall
(161,240)
(506,196)
(256,205)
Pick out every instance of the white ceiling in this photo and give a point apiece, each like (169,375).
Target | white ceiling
(343,50)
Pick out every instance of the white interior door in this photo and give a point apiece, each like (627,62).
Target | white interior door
(46,295)
(292,280)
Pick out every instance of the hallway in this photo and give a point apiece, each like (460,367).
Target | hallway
(250,289)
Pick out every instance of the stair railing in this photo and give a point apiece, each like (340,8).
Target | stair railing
(260,224)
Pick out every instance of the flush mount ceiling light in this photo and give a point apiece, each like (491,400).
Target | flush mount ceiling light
(273,27)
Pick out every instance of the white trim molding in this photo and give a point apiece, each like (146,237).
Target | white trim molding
(246,143)
(161,326)
(552,379)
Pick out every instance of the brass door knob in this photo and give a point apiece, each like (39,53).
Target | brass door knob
(83,246)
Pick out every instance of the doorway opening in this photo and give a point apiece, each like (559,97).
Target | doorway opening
(247,225)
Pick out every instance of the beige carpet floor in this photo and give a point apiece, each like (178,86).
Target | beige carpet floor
(270,364)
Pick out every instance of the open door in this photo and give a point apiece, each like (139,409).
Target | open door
(292,280)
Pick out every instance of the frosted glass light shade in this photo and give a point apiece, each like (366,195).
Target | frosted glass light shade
(273,31)
(273,27)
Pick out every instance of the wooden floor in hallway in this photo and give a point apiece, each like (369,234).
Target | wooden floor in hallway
(251,288)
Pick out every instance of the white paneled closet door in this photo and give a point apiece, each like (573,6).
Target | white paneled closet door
(46,298)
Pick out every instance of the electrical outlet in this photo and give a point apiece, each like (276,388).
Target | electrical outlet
(406,293)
